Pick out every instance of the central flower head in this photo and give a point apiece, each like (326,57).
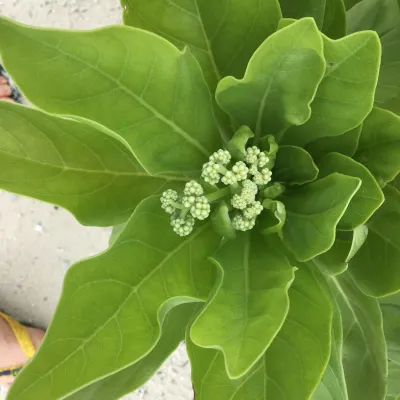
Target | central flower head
(243,183)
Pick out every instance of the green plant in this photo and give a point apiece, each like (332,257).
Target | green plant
(274,144)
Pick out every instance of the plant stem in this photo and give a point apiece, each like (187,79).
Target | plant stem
(178,206)
(219,194)
(184,212)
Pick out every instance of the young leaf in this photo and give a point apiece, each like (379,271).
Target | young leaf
(159,102)
(346,94)
(273,218)
(366,201)
(333,383)
(390,307)
(129,379)
(381,16)
(294,166)
(330,15)
(313,212)
(272,95)
(379,147)
(364,348)
(376,267)
(345,144)
(121,294)
(283,373)
(336,260)
(222,35)
(78,165)
(237,145)
(253,299)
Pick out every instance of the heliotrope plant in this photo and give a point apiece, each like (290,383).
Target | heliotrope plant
(248,153)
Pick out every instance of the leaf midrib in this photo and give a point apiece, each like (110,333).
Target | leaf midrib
(246,272)
(353,312)
(271,81)
(339,64)
(185,135)
(98,172)
(128,297)
(384,238)
(208,45)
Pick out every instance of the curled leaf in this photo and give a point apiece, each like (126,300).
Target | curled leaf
(237,145)
(313,212)
(273,218)
(294,166)
(221,222)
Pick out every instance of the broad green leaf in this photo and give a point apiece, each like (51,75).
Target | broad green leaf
(293,364)
(376,267)
(313,212)
(336,260)
(382,16)
(364,347)
(237,145)
(116,231)
(272,95)
(159,102)
(297,358)
(390,307)
(335,19)
(377,15)
(273,218)
(210,380)
(346,94)
(113,305)
(129,379)
(393,391)
(379,147)
(330,15)
(388,89)
(350,3)
(344,144)
(252,298)
(80,166)
(294,166)
(367,199)
(222,35)
(333,382)
(222,223)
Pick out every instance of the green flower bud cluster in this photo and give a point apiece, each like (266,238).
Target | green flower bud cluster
(254,156)
(245,180)
(216,166)
(168,200)
(192,202)
(258,161)
(247,195)
(215,169)
(183,226)
(247,219)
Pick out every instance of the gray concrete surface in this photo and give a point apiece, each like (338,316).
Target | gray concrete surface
(39,242)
